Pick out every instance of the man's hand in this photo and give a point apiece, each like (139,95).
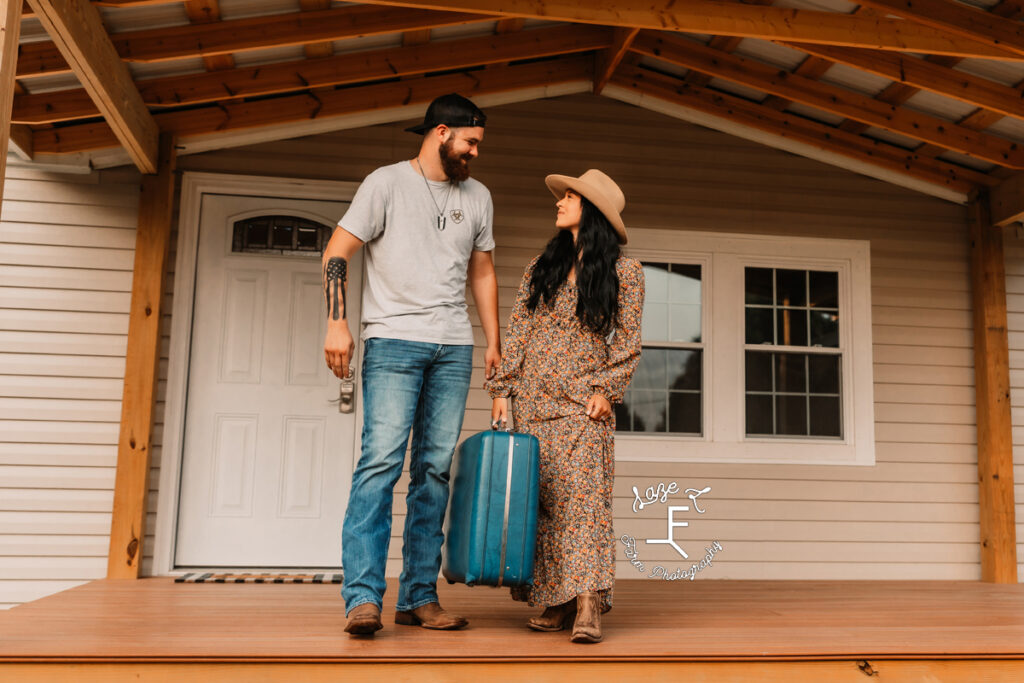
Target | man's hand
(338,348)
(492,360)
(598,408)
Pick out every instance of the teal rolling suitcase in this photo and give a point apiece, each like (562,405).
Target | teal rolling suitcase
(491,527)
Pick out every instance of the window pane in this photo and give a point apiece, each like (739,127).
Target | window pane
(623,423)
(684,284)
(825,328)
(685,323)
(824,374)
(308,238)
(791,415)
(282,236)
(652,372)
(656,282)
(825,416)
(684,412)
(792,327)
(790,287)
(790,374)
(654,324)
(759,371)
(684,369)
(759,414)
(648,410)
(758,286)
(824,289)
(759,326)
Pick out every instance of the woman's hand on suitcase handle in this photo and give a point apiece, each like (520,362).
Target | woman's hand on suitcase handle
(598,407)
(499,413)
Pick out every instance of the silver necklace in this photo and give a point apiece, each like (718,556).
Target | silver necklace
(442,220)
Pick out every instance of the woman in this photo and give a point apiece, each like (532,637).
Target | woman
(566,373)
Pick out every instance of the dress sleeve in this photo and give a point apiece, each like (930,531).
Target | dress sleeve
(612,378)
(517,334)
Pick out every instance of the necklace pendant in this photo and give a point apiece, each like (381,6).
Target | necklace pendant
(441,222)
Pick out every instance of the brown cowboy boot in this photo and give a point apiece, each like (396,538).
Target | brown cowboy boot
(554,618)
(431,615)
(364,619)
(587,627)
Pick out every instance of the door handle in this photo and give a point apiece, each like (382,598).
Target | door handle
(347,393)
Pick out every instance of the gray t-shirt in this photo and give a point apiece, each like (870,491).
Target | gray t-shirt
(415,272)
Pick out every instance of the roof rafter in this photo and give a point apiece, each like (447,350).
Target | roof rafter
(304,107)
(78,32)
(734,19)
(254,33)
(821,136)
(358,67)
(925,75)
(689,54)
(960,19)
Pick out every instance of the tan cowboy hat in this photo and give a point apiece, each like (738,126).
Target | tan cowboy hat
(599,189)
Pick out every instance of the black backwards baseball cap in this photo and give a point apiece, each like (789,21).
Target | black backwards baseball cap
(452,110)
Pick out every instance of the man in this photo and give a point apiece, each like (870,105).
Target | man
(427,227)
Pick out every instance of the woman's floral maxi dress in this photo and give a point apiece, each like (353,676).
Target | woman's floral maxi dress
(552,366)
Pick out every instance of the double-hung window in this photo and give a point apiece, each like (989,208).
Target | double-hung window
(755,349)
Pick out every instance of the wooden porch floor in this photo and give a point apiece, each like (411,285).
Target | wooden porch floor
(858,623)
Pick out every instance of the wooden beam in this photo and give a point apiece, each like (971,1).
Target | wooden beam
(733,19)
(992,392)
(134,446)
(371,65)
(789,126)
(253,33)
(208,12)
(925,75)
(959,19)
(325,48)
(1006,201)
(10,15)
(690,54)
(20,142)
(244,115)
(78,33)
(608,60)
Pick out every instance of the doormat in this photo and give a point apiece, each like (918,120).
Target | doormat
(222,577)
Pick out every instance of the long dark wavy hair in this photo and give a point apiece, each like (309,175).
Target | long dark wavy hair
(597,284)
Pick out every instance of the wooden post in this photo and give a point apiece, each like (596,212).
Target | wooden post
(128,526)
(992,392)
(10,15)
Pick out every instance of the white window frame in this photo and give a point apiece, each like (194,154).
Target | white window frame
(722,257)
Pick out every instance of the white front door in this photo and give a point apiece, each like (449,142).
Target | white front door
(267,458)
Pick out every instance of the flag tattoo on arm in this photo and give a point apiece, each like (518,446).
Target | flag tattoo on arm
(335,272)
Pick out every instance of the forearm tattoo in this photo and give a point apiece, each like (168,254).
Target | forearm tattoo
(335,273)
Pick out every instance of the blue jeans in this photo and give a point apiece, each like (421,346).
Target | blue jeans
(406,385)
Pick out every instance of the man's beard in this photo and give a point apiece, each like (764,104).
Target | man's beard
(455,166)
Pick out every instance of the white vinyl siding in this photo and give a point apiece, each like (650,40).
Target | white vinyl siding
(66,250)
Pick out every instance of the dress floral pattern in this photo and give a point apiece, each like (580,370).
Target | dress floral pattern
(552,365)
